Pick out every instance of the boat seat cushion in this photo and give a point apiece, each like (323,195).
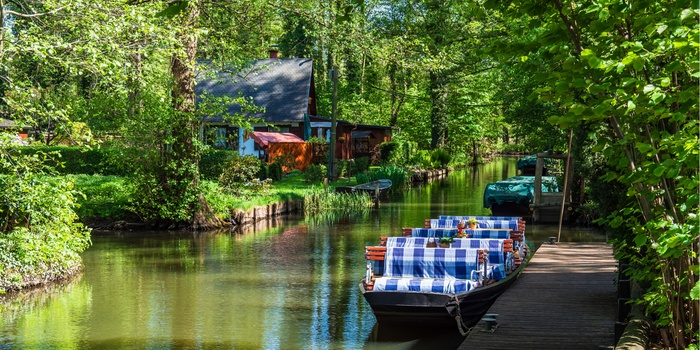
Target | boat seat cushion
(431,232)
(478,218)
(502,224)
(495,246)
(431,262)
(431,285)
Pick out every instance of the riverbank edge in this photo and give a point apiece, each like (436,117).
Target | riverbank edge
(243,219)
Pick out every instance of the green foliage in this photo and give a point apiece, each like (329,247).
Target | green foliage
(361,164)
(239,171)
(40,239)
(398,176)
(345,168)
(320,202)
(633,91)
(397,152)
(213,163)
(103,198)
(422,159)
(274,171)
(441,157)
(317,140)
(315,173)
(80,160)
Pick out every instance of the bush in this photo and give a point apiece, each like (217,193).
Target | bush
(263,171)
(315,173)
(440,157)
(397,152)
(361,164)
(41,240)
(239,170)
(274,171)
(422,159)
(213,161)
(80,160)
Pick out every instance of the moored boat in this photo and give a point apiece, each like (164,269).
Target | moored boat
(408,282)
(373,188)
(514,195)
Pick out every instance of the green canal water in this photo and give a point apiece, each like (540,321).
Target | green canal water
(291,284)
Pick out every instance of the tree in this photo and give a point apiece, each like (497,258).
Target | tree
(627,72)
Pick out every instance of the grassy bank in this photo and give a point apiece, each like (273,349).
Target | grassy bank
(109,198)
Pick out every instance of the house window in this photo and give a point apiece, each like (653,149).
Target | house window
(222,137)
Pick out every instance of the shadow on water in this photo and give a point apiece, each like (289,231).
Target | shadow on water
(413,337)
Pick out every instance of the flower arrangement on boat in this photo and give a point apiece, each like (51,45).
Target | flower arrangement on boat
(446,240)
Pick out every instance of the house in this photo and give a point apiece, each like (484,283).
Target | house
(22,134)
(284,88)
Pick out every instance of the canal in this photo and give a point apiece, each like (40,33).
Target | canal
(291,285)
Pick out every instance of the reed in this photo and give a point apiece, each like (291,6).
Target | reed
(319,201)
(398,176)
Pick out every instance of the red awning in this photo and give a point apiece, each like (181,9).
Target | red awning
(264,138)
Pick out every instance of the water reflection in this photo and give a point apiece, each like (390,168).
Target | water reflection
(288,284)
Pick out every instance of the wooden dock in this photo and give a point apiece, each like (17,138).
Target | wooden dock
(564,299)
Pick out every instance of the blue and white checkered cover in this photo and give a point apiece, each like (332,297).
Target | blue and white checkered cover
(461,217)
(408,242)
(501,224)
(495,247)
(432,232)
(440,232)
(450,286)
(488,234)
(496,272)
(430,262)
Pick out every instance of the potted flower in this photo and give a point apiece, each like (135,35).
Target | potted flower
(445,241)
(472,223)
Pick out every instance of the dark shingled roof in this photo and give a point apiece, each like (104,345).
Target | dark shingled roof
(281,86)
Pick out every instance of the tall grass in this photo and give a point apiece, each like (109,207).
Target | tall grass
(321,202)
(398,176)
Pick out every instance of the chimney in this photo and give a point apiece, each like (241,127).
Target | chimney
(273,51)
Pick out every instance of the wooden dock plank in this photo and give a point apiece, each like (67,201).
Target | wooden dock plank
(564,299)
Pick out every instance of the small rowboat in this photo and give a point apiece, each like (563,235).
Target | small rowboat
(372,188)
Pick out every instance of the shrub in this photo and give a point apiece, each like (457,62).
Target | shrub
(213,161)
(80,160)
(239,170)
(361,164)
(422,159)
(315,173)
(263,171)
(386,150)
(274,171)
(397,152)
(440,157)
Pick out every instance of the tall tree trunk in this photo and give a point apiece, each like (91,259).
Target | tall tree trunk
(438,112)
(185,147)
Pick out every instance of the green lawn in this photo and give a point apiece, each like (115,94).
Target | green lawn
(109,197)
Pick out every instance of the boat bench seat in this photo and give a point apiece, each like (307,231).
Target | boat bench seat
(516,225)
(478,218)
(432,232)
(433,285)
(498,248)
(427,262)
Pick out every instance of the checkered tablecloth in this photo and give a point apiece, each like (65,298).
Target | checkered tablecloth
(450,286)
(430,262)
